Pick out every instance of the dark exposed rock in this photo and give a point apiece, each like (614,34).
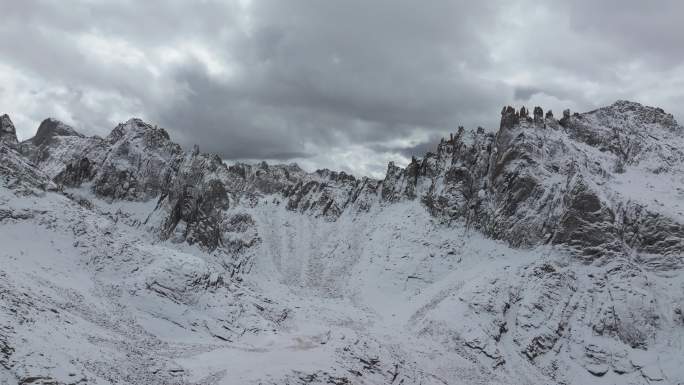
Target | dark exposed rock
(38,380)
(651,232)
(196,200)
(679,315)
(566,116)
(50,128)
(239,232)
(509,118)
(76,173)
(587,224)
(6,349)
(8,134)
(539,115)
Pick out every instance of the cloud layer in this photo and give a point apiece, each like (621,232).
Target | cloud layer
(340,84)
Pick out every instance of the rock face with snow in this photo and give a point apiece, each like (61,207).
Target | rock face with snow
(538,180)
(548,251)
(8,133)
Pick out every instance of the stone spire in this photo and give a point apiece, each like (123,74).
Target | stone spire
(523,112)
(509,118)
(538,115)
(8,134)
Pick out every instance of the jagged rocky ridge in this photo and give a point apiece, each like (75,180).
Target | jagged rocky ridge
(536,180)
(139,162)
(562,188)
(539,180)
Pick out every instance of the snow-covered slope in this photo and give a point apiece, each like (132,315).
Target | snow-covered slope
(547,252)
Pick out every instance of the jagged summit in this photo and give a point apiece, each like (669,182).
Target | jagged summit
(50,128)
(510,117)
(633,132)
(622,115)
(631,116)
(8,134)
(136,127)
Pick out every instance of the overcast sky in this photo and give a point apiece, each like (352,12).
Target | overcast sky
(343,84)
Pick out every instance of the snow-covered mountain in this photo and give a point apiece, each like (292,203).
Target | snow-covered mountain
(547,252)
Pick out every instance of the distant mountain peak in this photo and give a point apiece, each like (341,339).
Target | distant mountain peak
(50,128)
(136,127)
(623,102)
(632,115)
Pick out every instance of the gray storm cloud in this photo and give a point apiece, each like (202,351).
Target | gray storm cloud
(340,84)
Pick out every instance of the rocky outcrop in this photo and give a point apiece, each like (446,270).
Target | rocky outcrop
(57,144)
(586,223)
(20,175)
(8,134)
(76,173)
(196,199)
(51,128)
(539,115)
(329,194)
(509,117)
(140,162)
(652,233)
